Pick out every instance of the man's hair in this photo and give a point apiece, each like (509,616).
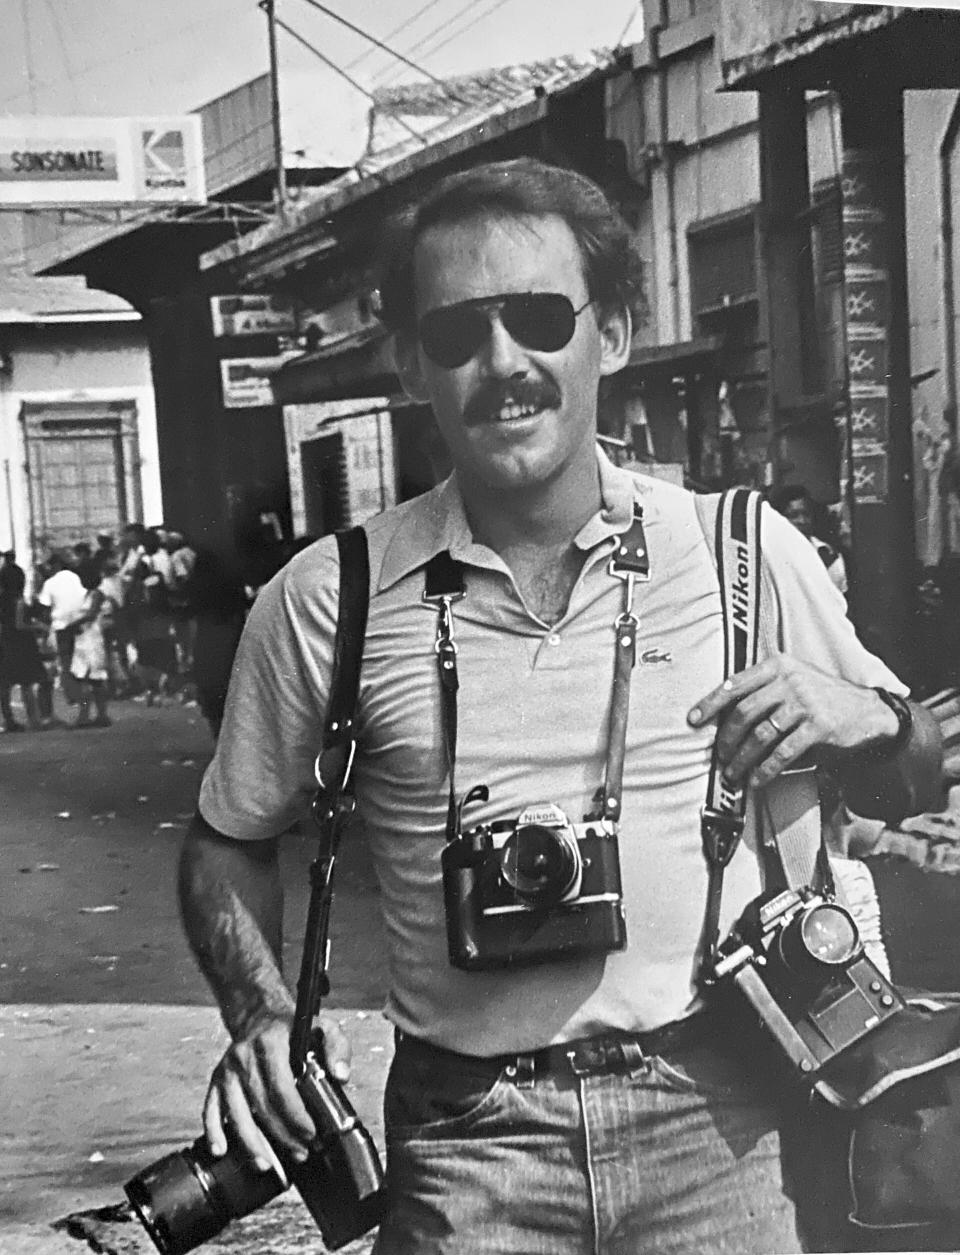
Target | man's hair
(785,494)
(525,187)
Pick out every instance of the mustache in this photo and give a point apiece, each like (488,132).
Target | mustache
(494,394)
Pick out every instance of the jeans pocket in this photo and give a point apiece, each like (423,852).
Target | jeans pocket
(436,1098)
(704,1072)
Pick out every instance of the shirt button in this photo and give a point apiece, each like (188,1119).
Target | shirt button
(553,639)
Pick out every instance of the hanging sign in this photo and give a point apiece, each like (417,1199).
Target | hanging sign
(246,381)
(97,161)
(253,314)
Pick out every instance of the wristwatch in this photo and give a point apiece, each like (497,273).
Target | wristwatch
(886,746)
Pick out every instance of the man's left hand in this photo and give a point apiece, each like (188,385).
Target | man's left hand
(772,714)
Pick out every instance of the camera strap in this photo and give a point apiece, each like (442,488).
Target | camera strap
(332,803)
(738,556)
(444,585)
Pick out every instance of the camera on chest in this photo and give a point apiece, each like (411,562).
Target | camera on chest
(533,889)
(799,960)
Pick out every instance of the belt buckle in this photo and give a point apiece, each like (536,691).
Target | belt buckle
(606,1055)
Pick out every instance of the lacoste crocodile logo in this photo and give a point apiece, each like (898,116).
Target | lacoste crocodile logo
(653,656)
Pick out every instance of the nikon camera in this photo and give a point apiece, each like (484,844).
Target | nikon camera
(186,1198)
(532,889)
(799,960)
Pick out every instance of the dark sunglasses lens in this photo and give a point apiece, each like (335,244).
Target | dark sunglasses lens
(450,337)
(542,321)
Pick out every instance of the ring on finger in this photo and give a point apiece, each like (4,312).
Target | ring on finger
(773,724)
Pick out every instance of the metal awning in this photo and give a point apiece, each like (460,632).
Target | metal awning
(678,356)
(363,367)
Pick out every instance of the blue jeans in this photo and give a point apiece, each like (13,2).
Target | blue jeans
(680,1155)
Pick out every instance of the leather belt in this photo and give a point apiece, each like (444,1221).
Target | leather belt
(605,1054)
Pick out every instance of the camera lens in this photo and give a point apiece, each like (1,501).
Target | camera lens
(540,864)
(821,938)
(188,1197)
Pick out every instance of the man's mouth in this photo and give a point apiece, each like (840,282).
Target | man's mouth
(513,410)
(512,402)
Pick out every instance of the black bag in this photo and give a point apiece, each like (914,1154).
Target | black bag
(901,1088)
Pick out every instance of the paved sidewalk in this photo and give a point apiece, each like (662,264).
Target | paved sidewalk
(94,1093)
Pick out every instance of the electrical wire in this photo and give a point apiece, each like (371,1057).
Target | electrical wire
(431,50)
(90,67)
(470,25)
(58,31)
(343,74)
(397,30)
(390,72)
(630,20)
(357,30)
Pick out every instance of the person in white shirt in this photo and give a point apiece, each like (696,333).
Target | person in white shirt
(63,595)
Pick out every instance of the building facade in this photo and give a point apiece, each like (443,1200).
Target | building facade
(78,437)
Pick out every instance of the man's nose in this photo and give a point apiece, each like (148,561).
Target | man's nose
(504,357)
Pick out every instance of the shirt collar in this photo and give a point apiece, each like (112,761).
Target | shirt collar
(437,521)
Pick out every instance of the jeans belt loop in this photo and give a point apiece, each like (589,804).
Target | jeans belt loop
(522,1070)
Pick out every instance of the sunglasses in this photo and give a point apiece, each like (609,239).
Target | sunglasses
(543,321)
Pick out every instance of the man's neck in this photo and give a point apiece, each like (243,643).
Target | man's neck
(547,516)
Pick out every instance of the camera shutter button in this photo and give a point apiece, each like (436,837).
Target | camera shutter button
(553,639)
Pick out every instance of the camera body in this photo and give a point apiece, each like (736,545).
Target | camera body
(187,1197)
(798,958)
(531,890)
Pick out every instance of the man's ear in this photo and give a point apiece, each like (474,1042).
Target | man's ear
(406,356)
(616,332)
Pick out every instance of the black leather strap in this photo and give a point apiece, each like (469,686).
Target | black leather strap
(444,585)
(332,803)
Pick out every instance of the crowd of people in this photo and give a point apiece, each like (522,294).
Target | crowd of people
(147,617)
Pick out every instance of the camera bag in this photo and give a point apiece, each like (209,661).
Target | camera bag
(896,1090)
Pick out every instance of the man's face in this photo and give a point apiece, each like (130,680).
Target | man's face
(512,416)
(798,512)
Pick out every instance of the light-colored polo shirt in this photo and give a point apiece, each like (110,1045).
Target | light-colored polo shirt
(534,704)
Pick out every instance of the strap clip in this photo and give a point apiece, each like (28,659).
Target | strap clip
(721,833)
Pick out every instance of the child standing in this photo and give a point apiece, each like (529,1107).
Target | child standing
(90,663)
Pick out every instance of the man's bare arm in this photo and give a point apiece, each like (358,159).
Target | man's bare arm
(231,903)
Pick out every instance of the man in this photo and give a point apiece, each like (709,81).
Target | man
(183,561)
(63,595)
(643,1130)
(795,503)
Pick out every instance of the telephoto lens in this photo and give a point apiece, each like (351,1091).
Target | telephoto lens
(186,1198)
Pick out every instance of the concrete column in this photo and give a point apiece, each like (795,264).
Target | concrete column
(788,263)
(878,465)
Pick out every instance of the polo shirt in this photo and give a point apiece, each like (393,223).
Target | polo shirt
(534,705)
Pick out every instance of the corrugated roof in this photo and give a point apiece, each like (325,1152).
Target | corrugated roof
(468,95)
(454,120)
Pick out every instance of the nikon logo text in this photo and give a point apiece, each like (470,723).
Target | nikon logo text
(740,589)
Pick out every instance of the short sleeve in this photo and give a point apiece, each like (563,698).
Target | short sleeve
(808,611)
(261,778)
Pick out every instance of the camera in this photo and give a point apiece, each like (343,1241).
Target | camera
(532,889)
(187,1197)
(798,958)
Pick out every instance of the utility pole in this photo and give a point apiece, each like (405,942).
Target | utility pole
(280,187)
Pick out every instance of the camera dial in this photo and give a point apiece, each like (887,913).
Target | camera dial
(540,860)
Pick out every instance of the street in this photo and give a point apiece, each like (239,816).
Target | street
(107,1030)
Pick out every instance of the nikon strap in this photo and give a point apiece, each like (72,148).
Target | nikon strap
(738,554)
(332,803)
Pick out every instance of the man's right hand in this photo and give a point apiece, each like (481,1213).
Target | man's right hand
(254,1092)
